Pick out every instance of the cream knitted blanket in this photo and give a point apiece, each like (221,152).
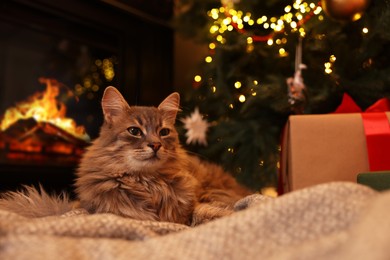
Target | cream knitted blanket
(328,221)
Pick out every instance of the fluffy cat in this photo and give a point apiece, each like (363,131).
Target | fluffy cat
(136,168)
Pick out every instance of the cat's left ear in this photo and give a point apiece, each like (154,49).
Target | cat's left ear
(170,106)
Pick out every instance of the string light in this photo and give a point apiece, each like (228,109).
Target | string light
(208,59)
(197,78)
(237,85)
(282,52)
(212,46)
(328,65)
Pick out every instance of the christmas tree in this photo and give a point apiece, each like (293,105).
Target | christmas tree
(271,59)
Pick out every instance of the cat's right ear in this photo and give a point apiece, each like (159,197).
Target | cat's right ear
(113,104)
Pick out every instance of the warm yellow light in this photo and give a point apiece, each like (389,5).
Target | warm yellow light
(302,32)
(214,89)
(328,71)
(317,10)
(227,20)
(232,12)
(208,59)
(332,58)
(287,9)
(251,22)
(231,106)
(214,13)
(212,46)
(278,28)
(249,40)
(328,68)
(249,48)
(197,78)
(270,42)
(356,17)
(241,98)
(214,29)
(222,29)
(237,85)
(293,24)
(266,25)
(365,30)
(282,52)
(255,82)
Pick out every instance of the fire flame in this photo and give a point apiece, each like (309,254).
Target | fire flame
(44,107)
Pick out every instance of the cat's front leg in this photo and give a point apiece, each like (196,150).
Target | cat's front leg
(205,212)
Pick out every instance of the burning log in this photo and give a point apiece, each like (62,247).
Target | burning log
(32,136)
(30,140)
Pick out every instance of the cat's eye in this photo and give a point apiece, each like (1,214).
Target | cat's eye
(135,131)
(164,132)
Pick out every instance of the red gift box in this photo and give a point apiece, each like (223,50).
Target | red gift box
(335,147)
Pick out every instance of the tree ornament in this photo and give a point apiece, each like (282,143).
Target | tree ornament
(345,10)
(196,128)
(295,86)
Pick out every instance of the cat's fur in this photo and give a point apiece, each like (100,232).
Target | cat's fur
(136,168)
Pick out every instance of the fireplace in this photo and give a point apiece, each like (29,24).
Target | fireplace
(72,51)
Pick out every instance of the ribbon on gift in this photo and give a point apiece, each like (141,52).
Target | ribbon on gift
(376,128)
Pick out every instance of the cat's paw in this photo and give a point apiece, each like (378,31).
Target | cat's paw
(204,213)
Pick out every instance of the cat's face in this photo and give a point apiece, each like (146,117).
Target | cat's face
(144,138)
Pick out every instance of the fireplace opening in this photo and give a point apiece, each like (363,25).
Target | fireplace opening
(79,47)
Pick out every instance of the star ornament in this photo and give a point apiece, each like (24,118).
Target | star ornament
(196,128)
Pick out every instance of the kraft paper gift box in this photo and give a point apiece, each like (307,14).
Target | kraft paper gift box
(324,148)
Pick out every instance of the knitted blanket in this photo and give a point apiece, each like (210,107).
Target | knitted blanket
(330,221)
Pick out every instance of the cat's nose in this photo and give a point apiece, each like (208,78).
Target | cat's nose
(155,146)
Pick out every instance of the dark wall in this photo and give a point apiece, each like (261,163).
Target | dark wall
(138,32)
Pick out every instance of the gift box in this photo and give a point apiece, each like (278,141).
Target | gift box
(333,147)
